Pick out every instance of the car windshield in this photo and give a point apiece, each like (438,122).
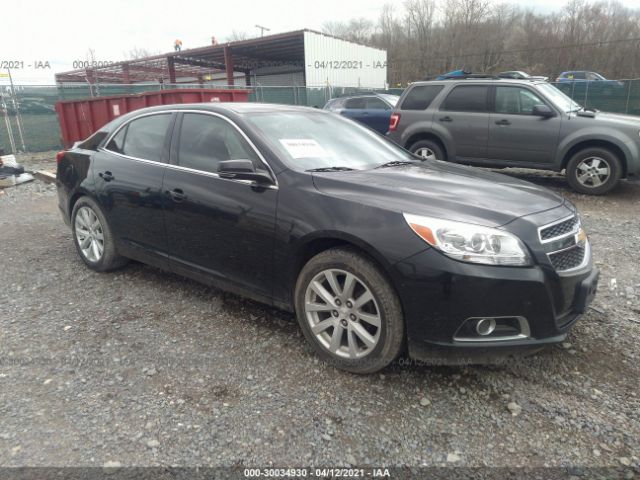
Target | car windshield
(308,140)
(559,99)
(391,99)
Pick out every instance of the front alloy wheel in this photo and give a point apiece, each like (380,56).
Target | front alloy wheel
(342,313)
(594,171)
(349,311)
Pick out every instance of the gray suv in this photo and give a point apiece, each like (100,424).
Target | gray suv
(517,123)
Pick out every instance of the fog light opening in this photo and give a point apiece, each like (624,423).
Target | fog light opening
(485,326)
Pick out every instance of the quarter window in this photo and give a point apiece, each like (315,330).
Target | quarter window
(117,142)
(516,101)
(420,97)
(467,98)
(206,140)
(142,138)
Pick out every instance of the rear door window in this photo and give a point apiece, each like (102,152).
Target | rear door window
(467,98)
(374,103)
(356,103)
(142,138)
(420,97)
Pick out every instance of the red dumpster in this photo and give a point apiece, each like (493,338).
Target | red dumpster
(80,118)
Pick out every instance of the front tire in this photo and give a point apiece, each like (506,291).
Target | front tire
(594,171)
(93,237)
(349,311)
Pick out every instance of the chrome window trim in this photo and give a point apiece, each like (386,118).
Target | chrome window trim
(560,237)
(129,157)
(275,186)
(215,175)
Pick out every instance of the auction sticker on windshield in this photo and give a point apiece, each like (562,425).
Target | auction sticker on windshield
(304,148)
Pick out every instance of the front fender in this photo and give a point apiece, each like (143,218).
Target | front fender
(628,147)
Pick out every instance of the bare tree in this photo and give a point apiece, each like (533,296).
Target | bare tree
(236,36)
(358,30)
(138,52)
(428,37)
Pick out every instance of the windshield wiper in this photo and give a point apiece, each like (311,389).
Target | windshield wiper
(395,163)
(330,169)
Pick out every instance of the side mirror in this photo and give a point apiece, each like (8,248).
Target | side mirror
(242,170)
(543,111)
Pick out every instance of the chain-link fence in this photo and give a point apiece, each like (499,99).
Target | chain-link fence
(37,123)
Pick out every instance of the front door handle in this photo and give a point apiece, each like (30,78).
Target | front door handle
(503,122)
(106,176)
(177,195)
(446,119)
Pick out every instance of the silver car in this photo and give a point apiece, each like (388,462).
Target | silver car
(493,122)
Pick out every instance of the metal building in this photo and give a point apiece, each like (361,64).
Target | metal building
(299,58)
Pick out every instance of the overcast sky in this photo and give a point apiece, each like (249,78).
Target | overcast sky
(39,31)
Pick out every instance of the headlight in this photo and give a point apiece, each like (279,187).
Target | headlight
(470,243)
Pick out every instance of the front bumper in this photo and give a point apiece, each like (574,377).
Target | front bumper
(439,295)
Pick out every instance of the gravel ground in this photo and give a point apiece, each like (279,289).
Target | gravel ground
(142,367)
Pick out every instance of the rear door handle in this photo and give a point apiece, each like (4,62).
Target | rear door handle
(446,119)
(503,122)
(106,176)
(177,195)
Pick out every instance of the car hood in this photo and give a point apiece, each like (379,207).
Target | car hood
(613,118)
(442,190)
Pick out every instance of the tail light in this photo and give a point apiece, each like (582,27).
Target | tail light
(394,121)
(60,156)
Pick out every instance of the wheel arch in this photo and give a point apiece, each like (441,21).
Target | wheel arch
(596,143)
(312,245)
(73,199)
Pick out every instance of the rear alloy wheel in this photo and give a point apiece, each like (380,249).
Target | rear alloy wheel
(593,171)
(93,237)
(89,234)
(349,312)
(427,149)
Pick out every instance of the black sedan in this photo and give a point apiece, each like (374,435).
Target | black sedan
(377,252)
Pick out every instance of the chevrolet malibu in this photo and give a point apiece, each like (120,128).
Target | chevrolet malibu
(379,253)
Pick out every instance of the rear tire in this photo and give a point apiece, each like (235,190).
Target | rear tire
(93,237)
(594,171)
(355,322)
(428,149)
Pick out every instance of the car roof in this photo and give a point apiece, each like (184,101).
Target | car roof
(235,107)
(475,81)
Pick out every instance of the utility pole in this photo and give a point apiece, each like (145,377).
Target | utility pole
(16,107)
(262,29)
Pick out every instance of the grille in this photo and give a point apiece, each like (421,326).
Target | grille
(559,229)
(568,259)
